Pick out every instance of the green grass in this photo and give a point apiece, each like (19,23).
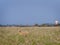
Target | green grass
(36,36)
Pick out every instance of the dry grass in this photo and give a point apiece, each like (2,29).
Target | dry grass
(35,36)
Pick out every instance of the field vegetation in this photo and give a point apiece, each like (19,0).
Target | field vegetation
(29,35)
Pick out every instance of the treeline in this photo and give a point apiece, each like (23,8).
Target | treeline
(35,25)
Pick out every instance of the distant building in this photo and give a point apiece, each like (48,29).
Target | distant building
(56,22)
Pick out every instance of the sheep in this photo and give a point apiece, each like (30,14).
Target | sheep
(23,33)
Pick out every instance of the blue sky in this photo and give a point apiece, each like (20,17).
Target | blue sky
(29,11)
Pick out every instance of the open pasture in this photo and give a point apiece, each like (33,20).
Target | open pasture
(30,36)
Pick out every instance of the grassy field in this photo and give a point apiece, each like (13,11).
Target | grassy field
(35,36)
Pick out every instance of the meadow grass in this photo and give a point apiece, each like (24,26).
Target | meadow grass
(36,36)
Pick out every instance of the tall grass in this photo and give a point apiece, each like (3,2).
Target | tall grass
(36,36)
